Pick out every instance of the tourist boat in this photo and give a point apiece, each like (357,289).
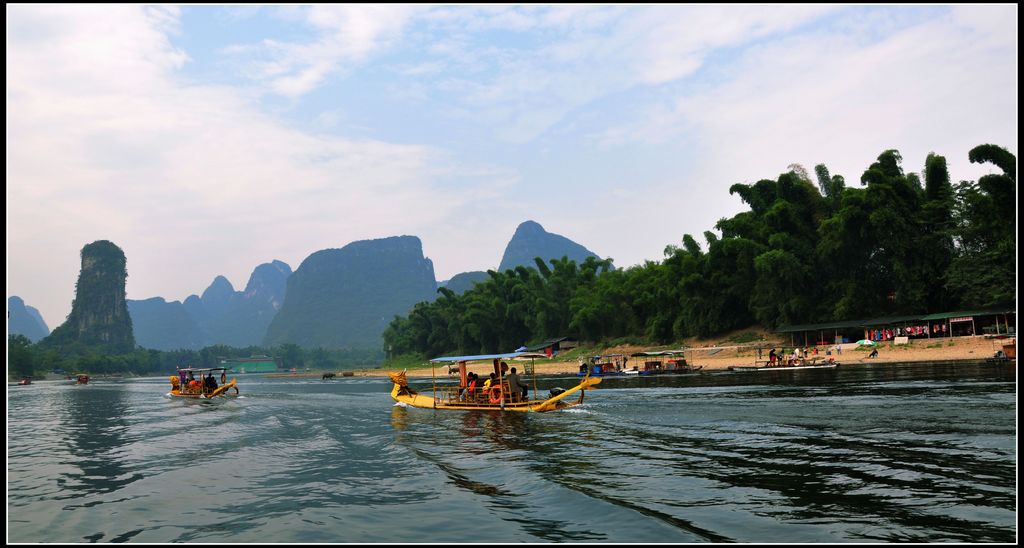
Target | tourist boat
(81,378)
(497,397)
(190,382)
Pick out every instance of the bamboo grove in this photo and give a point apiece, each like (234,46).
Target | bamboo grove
(809,249)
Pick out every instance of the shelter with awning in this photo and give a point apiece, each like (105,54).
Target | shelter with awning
(553,346)
(823,333)
(992,321)
(997,321)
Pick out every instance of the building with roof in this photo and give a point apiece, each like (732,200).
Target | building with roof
(992,321)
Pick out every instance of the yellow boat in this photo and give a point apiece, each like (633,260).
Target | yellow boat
(497,397)
(186,385)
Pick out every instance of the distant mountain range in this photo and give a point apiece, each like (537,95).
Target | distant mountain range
(344,298)
(221,316)
(337,298)
(25,320)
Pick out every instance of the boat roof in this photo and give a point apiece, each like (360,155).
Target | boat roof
(203,368)
(479,357)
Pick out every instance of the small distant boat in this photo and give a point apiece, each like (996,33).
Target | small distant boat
(82,378)
(498,397)
(186,385)
(25,381)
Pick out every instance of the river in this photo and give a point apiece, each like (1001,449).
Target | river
(921,453)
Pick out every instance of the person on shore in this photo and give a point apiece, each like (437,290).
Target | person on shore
(874,353)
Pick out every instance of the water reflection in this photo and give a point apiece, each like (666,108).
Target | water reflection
(95,433)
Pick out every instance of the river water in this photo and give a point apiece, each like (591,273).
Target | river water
(922,453)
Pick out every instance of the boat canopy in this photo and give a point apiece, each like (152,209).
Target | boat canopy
(203,369)
(508,356)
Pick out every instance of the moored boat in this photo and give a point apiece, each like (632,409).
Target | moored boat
(502,395)
(782,368)
(662,362)
(602,366)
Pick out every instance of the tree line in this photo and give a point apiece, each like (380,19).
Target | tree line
(27,359)
(809,249)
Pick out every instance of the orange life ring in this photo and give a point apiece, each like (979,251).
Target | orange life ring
(495,394)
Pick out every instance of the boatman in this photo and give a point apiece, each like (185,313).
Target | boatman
(516,387)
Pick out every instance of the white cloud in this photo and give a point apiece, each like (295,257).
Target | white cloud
(592,52)
(346,35)
(104,142)
(820,97)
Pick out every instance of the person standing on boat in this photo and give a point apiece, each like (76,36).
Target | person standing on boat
(771,358)
(515,386)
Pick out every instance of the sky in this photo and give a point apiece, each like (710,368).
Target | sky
(206,140)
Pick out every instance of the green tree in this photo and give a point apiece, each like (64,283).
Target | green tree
(20,359)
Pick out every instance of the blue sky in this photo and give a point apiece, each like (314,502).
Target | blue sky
(207,140)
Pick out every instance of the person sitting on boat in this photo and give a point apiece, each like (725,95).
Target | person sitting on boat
(193,384)
(471,380)
(515,386)
(211,383)
(489,381)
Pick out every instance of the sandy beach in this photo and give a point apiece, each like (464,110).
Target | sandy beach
(718,355)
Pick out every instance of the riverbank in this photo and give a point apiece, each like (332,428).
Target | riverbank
(721,356)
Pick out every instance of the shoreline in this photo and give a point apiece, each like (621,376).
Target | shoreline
(720,358)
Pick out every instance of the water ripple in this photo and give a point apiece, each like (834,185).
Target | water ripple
(916,455)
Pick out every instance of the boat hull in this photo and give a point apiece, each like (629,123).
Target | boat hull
(794,368)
